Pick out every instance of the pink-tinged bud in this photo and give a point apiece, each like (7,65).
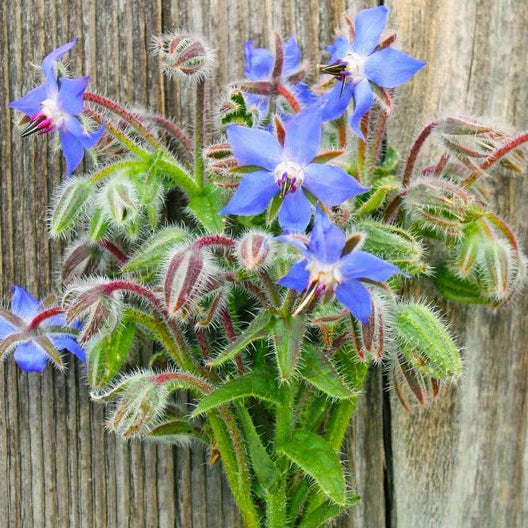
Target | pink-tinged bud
(253,250)
(373,335)
(82,260)
(141,403)
(183,55)
(94,305)
(463,126)
(187,276)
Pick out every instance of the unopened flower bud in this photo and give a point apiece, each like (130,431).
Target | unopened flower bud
(119,198)
(253,250)
(497,269)
(81,260)
(183,55)
(395,245)
(187,275)
(95,304)
(425,342)
(463,126)
(69,205)
(374,334)
(465,254)
(141,402)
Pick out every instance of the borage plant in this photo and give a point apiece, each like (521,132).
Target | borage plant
(269,303)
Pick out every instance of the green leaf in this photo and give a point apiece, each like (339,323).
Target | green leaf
(351,368)
(259,328)
(153,251)
(314,455)
(287,340)
(326,512)
(273,209)
(321,372)
(108,354)
(266,471)
(255,384)
(206,206)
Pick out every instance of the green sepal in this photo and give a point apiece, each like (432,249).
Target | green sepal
(314,455)
(205,208)
(70,206)
(455,288)
(326,512)
(152,252)
(375,198)
(321,372)
(255,384)
(288,337)
(273,209)
(108,355)
(236,111)
(99,225)
(259,328)
(425,343)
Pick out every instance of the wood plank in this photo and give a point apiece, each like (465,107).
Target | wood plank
(463,462)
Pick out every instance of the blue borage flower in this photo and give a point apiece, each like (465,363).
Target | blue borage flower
(325,269)
(30,353)
(287,171)
(259,66)
(358,63)
(54,106)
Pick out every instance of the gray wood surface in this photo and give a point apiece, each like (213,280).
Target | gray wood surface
(459,463)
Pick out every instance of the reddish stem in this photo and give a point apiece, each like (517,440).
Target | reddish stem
(292,101)
(496,156)
(177,133)
(112,248)
(231,336)
(415,149)
(42,316)
(124,113)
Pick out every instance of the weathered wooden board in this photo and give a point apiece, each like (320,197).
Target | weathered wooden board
(463,462)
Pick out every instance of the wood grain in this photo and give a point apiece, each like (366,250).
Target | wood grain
(463,462)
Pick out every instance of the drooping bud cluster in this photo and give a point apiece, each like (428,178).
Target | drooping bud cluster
(183,55)
(486,260)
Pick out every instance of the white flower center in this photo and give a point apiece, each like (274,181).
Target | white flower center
(52,110)
(288,176)
(326,275)
(355,64)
